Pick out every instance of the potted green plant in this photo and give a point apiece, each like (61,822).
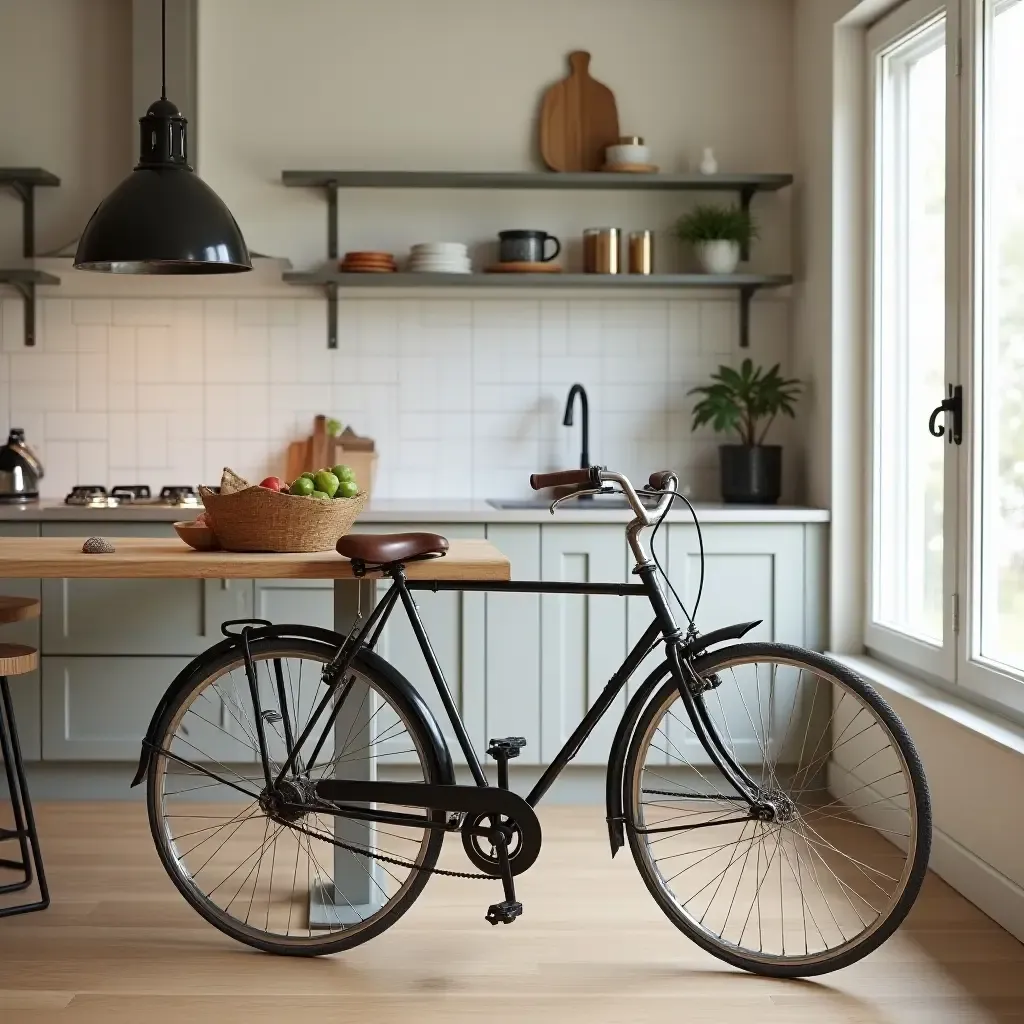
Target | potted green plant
(718,235)
(747,401)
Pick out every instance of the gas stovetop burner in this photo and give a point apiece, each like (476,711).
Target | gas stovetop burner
(179,497)
(91,496)
(131,492)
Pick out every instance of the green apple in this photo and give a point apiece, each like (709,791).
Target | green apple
(327,482)
(321,495)
(343,472)
(347,489)
(302,486)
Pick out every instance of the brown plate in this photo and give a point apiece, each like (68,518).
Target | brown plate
(524,267)
(359,269)
(369,256)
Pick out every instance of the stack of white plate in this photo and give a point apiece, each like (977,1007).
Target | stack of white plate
(440,258)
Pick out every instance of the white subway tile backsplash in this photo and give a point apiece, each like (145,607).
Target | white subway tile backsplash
(465,398)
(91,311)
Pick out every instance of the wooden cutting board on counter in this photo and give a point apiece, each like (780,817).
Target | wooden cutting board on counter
(578,120)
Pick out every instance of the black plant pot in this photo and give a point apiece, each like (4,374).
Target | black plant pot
(751,474)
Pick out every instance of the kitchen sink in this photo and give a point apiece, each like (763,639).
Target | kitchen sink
(597,503)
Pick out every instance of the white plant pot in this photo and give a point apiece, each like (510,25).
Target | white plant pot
(721,257)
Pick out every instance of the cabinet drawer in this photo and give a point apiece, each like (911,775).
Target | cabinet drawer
(306,602)
(24,689)
(143,617)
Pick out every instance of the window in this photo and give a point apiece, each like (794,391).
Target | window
(946,593)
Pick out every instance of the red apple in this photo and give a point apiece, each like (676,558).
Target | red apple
(274,483)
(202,519)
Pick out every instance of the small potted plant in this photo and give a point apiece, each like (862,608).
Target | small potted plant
(718,234)
(747,401)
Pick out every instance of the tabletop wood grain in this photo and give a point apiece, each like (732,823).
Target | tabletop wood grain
(160,558)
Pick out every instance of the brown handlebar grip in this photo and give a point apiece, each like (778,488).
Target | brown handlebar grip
(566,476)
(659,479)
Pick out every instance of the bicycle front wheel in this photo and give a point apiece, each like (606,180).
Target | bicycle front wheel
(839,862)
(276,868)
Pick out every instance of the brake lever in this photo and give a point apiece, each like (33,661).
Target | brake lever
(579,494)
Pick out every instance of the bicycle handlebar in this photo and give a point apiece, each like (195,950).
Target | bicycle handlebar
(565,476)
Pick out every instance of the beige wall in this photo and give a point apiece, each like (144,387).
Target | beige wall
(65,104)
(456,84)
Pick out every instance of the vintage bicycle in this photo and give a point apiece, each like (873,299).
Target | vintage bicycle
(300,789)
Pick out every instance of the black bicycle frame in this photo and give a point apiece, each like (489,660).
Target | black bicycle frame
(662,627)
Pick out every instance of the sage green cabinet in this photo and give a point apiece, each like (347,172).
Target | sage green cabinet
(142,617)
(583,638)
(97,709)
(513,650)
(24,689)
(455,624)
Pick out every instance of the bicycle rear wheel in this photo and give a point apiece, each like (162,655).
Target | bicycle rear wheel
(840,862)
(275,879)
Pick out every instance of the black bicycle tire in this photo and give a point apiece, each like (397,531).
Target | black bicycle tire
(413,716)
(706,664)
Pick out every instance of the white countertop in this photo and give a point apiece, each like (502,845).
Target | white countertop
(426,511)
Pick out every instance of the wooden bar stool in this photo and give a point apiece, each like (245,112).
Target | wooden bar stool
(15,660)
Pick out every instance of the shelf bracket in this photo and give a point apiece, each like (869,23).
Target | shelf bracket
(331,191)
(28,296)
(746,294)
(746,195)
(332,314)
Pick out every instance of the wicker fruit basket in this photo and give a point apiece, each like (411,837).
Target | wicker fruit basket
(247,518)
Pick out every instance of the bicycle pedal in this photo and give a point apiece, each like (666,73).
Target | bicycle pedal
(503,913)
(507,747)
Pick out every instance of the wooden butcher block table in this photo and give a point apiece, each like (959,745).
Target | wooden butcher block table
(158,558)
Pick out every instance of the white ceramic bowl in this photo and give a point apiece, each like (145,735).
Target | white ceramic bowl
(627,154)
(439,249)
(439,264)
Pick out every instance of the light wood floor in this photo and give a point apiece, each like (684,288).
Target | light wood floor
(119,946)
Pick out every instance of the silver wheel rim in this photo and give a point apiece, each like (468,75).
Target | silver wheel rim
(803,852)
(237,862)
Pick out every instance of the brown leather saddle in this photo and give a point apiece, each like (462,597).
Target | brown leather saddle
(382,549)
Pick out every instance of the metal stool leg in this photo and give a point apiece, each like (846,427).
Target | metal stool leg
(21,805)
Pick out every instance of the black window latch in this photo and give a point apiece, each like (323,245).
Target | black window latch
(954,404)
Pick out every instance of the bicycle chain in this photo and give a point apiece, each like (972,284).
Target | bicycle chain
(385,859)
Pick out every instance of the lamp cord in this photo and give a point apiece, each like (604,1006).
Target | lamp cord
(163,49)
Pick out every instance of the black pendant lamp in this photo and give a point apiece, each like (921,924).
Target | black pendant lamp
(163,218)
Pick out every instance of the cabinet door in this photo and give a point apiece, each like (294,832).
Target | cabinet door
(24,689)
(583,638)
(98,709)
(306,602)
(455,624)
(142,617)
(751,572)
(513,645)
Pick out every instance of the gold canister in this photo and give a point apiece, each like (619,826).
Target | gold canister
(601,251)
(641,252)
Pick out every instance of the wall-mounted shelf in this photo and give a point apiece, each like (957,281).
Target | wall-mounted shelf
(25,281)
(23,181)
(746,284)
(746,186)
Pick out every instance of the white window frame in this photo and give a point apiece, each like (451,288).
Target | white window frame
(957,661)
(936,661)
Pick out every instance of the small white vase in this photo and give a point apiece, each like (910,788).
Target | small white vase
(719,257)
(708,163)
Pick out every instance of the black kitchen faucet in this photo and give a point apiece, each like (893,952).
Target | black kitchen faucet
(578,389)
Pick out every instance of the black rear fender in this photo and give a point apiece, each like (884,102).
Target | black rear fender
(195,671)
(616,780)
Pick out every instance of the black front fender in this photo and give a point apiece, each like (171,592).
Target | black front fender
(616,780)
(199,667)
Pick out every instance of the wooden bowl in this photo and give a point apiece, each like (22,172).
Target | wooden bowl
(197,536)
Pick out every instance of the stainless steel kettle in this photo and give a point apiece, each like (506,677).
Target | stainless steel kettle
(20,469)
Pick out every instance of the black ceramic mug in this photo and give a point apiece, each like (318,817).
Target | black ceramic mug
(526,246)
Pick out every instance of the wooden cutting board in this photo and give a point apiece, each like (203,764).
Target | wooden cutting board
(578,120)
